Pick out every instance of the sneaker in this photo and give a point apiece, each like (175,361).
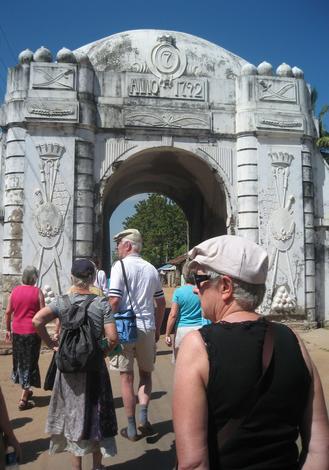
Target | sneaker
(146,429)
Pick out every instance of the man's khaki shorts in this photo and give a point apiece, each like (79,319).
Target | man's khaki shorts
(144,350)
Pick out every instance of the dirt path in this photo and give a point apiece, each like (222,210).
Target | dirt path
(156,453)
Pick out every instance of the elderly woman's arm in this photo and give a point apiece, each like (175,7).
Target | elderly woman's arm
(40,320)
(190,412)
(172,318)
(315,424)
(8,314)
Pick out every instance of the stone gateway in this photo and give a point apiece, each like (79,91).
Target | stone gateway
(160,111)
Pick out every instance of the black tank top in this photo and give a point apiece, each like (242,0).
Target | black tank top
(267,438)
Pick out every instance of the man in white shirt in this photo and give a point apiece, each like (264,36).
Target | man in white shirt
(145,290)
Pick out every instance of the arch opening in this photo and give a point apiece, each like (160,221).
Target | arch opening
(193,184)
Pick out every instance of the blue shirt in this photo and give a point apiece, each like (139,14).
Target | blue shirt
(189,306)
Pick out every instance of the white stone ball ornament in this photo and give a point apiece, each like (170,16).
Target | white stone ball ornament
(25,57)
(43,55)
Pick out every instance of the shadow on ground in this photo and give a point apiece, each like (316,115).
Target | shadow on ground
(118,403)
(41,401)
(160,429)
(164,353)
(32,449)
(20,422)
(155,458)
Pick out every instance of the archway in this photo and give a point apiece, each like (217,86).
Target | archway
(178,174)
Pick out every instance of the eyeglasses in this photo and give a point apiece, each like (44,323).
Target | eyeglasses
(199,278)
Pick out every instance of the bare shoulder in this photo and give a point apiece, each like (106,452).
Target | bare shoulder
(192,356)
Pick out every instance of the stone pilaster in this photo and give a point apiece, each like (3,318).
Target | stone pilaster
(13,208)
(83,200)
(247,187)
(308,203)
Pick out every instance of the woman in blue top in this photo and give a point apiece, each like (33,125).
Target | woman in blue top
(185,312)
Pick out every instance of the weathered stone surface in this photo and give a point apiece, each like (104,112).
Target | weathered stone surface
(162,111)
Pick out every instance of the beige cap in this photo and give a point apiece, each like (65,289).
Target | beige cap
(130,234)
(235,256)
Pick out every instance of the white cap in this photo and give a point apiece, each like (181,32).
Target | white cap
(235,256)
(130,234)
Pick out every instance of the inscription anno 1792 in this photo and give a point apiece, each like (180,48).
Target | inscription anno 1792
(183,89)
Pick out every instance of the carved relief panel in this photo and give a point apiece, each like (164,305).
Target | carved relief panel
(274,89)
(48,211)
(281,296)
(163,74)
(53,76)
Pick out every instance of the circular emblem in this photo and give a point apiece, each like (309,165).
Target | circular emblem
(167,60)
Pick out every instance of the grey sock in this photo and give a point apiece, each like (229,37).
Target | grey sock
(132,431)
(143,414)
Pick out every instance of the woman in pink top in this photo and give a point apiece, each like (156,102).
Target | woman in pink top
(23,303)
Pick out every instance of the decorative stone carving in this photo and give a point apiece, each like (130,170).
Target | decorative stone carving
(284,70)
(49,215)
(249,69)
(265,123)
(114,151)
(182,89)
(25,57)
(277,90)
(49,294)
(283,301)
(64,55)
(282,232)
(52,110)
(166,61)
(223,158)
(53,77)
(265,68)
(169,119)
(42,55)
(297,72)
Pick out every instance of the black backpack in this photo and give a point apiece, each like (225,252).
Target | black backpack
(78,346)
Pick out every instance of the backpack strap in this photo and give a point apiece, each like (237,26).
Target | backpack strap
(68,304)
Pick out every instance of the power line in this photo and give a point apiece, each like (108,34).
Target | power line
(8,43)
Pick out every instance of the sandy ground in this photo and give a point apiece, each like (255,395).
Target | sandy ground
(148,454)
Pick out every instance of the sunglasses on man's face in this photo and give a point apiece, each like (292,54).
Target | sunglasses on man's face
(199,278)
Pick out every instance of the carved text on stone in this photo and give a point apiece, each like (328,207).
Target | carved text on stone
(182,89)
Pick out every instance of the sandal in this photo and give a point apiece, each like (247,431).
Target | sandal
(124,433)
(24,404)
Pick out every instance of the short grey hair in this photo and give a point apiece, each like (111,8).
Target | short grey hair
(137,246)
(248,296)
(30,275)
(188,273)
(83,283)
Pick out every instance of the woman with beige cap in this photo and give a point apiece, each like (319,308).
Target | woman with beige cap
(245,388)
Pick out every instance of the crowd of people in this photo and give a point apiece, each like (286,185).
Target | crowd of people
(245,388)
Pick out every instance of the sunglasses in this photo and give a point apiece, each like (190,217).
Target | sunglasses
(199,278)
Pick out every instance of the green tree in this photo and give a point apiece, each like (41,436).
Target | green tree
(163,227)
(323,140)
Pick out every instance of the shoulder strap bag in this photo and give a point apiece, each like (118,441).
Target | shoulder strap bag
(126,320)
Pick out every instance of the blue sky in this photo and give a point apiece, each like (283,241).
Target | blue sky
(291,31)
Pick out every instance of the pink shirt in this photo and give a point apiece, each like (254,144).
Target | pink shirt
(24,304)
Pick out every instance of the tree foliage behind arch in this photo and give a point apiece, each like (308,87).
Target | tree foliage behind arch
(163,226)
